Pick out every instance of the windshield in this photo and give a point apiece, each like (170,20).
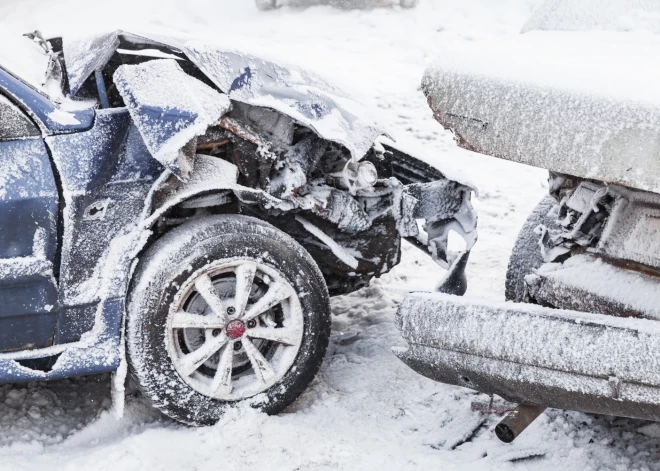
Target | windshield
(23,57)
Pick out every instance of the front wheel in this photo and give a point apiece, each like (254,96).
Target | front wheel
(223,311)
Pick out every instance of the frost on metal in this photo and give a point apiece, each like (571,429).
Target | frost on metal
(549,110)
(156,134)
(303,96)
(14,122)
(87,55)
(170,108)
(536,355)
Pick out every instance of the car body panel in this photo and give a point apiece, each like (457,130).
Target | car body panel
(50,118)
(260,154)
(182,109)
(303,96)
(28,240)
(568,110)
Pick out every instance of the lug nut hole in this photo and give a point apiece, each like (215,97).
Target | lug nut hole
(252,324)
(231,310)
(238,346)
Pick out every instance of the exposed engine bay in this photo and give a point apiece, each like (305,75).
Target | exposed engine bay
(306,158)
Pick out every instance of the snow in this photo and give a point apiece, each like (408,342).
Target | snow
(63,117)
(366,409)
(340,252)
(149,53)
(185,106)
(509,99)
(637,292)
(584,15)
(22,56)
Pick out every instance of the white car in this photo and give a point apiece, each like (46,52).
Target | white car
(347,4)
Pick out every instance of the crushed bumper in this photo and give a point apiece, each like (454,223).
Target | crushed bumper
(535,355)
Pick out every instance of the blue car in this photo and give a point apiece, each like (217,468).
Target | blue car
(187,210)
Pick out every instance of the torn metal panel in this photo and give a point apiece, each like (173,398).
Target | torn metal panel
(303,96)
(300,95)
(85,56)
(535,355)
(170,108)
(610,220)
(211,175)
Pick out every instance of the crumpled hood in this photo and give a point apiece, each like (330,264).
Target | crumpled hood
(303,96)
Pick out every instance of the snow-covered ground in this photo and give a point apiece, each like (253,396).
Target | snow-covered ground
(365,410)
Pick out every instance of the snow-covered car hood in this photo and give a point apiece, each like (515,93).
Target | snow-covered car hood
(303,96)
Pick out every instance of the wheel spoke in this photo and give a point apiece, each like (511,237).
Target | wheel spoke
(205,287)
(244,279)
(222,380)
(189,363)
(283,335)
(260,365)
(186,320)
(277,292)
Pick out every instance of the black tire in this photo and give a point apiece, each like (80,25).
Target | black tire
(161,272)
(526,255)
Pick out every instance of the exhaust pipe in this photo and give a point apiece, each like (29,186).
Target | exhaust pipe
(517,421)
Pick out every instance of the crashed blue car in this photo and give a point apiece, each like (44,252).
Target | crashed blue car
(183,212)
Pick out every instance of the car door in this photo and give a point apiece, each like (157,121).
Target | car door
(28,233)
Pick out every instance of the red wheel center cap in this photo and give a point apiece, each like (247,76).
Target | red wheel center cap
(235,329)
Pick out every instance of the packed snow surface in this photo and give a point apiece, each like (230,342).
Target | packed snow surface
(366,409)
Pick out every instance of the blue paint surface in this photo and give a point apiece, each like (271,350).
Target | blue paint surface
(102,158)
(39,106)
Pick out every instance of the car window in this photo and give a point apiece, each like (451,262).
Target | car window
(14,124)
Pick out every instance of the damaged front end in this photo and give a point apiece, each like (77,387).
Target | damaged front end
(349,215)
(583,333)
(586,337)
(238,134)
